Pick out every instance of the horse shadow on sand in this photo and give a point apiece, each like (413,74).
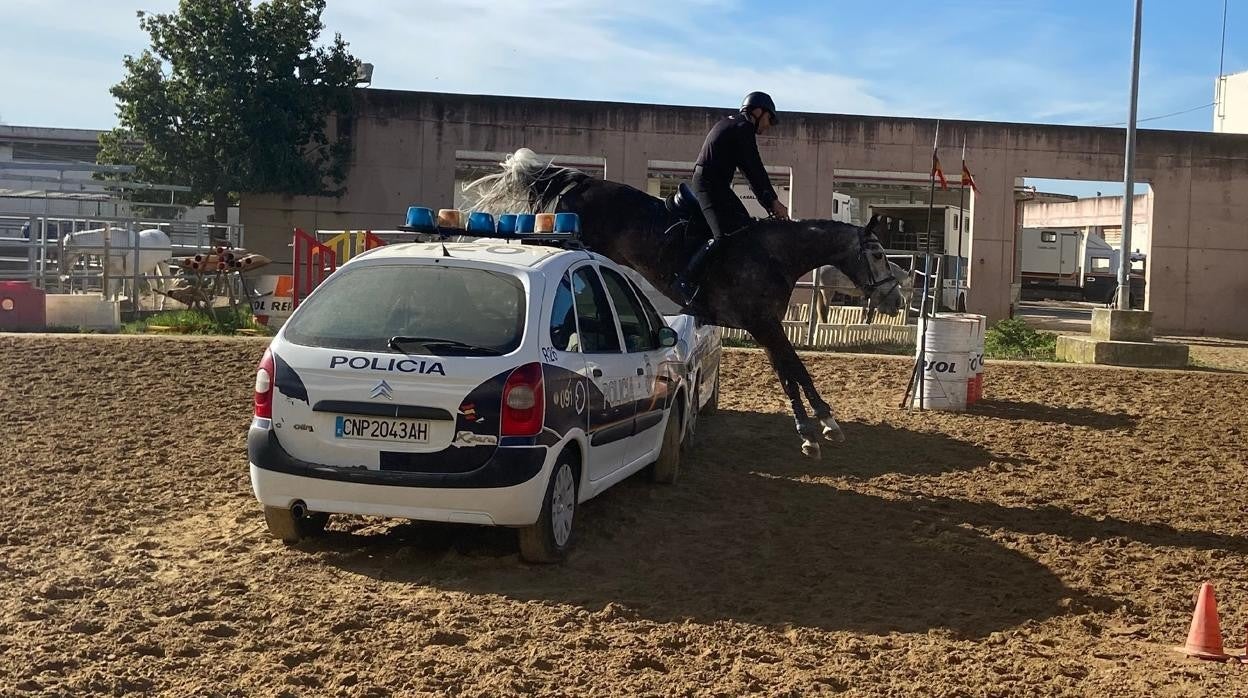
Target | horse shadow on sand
(1054,414)
(755,533)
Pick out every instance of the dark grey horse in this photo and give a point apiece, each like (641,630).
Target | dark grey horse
(746,284)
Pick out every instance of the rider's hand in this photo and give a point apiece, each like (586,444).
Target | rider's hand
(779,210)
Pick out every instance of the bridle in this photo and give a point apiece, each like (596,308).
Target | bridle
(874,283)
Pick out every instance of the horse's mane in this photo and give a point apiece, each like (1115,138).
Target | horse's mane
(527,183)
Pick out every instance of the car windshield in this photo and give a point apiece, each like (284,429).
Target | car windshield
(429,308)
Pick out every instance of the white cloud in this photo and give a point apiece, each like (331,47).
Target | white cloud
(590,50)
(62,56)
(948,60)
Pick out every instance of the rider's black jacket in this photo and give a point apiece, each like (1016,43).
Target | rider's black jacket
(730,145)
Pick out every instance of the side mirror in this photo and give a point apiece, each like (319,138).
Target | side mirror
(667,337)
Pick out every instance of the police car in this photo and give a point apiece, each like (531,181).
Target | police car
(488,382)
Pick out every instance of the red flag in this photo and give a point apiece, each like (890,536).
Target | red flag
(967,179)
(937,172)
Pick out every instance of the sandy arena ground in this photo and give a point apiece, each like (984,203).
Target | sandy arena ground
(1048,544)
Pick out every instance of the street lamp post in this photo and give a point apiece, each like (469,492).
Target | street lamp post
(1123,301)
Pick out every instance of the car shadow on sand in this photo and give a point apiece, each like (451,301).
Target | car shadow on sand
(750,535)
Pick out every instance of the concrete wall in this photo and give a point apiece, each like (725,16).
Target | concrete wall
(1230,96)
(406,143)
(1095,215)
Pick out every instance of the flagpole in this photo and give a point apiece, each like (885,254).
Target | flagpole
(919,373)
(957,268)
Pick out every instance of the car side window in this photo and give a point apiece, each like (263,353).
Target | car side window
(563,318)
(595,323)
(652,314)
(633,322)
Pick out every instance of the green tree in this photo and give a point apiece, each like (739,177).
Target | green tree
(233,98)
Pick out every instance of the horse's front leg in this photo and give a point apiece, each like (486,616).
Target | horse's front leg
(786,365)
(823,411)
(806,427)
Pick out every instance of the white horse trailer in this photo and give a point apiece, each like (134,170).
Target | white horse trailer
(1069,263)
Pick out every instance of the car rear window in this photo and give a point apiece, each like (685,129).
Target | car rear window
(471,311)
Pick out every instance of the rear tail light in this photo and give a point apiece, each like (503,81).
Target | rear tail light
(524,402)
(264,387)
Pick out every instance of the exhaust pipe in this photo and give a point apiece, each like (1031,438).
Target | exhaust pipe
(298,509)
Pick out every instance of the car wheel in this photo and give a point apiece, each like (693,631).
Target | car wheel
(285,525)
(550,538)
(712,404)
(667,467)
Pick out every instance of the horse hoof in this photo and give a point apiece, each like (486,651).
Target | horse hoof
(810,449)
(832,430)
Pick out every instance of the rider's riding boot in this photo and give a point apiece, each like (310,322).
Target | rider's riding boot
(686,282)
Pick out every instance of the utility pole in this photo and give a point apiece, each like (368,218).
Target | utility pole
(1123,301)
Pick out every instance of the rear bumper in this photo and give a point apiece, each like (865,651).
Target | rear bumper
(506,491)
(508,466)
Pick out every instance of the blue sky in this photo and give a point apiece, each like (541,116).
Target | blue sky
(1012,60)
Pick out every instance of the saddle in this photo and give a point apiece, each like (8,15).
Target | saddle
(684,204)
(690,230)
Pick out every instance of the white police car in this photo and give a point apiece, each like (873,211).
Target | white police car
(487,382)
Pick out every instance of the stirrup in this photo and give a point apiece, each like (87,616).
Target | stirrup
(687,290)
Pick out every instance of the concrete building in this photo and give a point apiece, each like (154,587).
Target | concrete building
(1230,103)
(57,181)
(408,147)
(1101,216)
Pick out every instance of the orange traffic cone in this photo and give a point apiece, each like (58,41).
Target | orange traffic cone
(1204,639)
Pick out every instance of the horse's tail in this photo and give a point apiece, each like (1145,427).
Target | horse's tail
(524,185)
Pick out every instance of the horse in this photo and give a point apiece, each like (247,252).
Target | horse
(834,282)
(155,250)
(748,281)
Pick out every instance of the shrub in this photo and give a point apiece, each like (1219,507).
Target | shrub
(1015,339)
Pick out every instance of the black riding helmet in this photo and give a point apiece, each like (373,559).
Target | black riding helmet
(760,100)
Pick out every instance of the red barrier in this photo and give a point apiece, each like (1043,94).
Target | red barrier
(313,263)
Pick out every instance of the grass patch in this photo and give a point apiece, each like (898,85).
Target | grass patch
(225,322)
(735,343)
(1015,339)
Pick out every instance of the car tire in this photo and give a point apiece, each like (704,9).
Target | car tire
(712,404)
(550,538)
(290,529)
(666,469)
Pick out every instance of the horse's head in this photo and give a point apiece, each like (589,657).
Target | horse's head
(870,269)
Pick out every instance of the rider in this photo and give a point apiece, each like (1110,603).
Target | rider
(730,145)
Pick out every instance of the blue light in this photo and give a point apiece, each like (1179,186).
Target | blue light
(480,223)
(421,219)
(524,223)
(507,224)
(567,223)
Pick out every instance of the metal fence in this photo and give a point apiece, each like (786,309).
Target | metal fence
(30,248)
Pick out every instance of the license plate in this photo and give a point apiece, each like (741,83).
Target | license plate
(412,431)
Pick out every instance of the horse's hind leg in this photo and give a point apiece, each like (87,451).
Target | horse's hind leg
(786,364)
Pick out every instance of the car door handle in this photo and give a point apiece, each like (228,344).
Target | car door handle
(641,371)
(597,373)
